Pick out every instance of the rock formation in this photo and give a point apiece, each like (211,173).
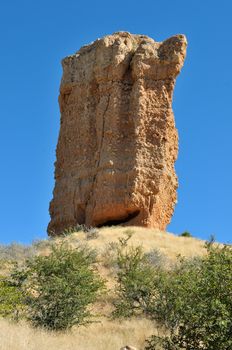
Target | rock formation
(118,142)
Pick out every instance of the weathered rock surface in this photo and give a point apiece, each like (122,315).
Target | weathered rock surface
(118,142)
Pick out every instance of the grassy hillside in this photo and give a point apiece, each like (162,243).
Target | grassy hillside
(106,335)
(162,248)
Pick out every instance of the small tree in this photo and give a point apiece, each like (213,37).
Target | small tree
(185,234)
(60,287)
(135,281)
(194,302)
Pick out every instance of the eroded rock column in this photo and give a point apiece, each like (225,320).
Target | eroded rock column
(118,142)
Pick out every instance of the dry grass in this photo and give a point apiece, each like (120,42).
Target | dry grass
(99,336)
(168,243)
(107,335)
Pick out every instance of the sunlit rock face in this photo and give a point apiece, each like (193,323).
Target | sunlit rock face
(118,142)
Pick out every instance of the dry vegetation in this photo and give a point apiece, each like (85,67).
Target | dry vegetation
(105,334)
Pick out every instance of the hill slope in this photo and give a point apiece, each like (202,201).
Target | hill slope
(163,248)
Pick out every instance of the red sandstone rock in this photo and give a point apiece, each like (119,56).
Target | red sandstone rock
(118,142)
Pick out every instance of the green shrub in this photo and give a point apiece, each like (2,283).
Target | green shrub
(135,281)
(194,302)
(60,287)
(185,234)
(11,299)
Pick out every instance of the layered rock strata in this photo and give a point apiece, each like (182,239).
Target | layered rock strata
(118,142)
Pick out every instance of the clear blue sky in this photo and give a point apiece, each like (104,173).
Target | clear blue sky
(36,35)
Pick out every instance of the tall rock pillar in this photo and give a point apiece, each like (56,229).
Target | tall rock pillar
(118,142)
